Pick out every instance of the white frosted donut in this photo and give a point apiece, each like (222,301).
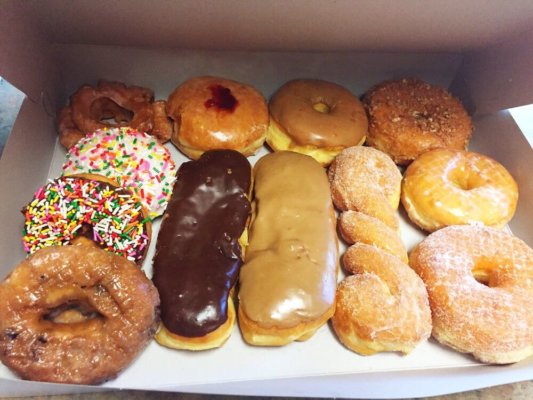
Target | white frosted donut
(133,159)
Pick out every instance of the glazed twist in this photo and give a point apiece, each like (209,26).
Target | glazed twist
(383,306)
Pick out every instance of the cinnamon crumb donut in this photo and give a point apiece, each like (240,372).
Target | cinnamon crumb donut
(408,117)
(75,314)
(480,286)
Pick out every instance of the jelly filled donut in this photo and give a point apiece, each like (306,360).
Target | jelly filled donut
(316,118)
(87,206)
(75,314)
(132,158)
(480,285)
(199,250)
(408,117)
(216,113)
(453,187)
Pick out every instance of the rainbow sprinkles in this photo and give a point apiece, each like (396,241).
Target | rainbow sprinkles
(135,160)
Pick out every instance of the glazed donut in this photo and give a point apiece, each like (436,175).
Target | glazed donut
(454,187)
(135,160)
(384,306)
(316,118)
(288,280)
(75,314)
(91,108)
(408,117)
(480,287)
(199,250)
(87,205)
(216,113)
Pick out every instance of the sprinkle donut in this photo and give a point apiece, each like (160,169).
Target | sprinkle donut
(134,159)
(480,286)
(71,207)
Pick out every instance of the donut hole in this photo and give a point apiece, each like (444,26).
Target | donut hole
(484,272)
(321,107)
(465,179)
(72,312)
(108,111)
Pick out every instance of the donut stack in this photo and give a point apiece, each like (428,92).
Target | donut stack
(383,306)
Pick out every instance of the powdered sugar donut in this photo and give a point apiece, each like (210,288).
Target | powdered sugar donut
(480,286)
(133,159)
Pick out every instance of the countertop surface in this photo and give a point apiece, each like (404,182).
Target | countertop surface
(515,391)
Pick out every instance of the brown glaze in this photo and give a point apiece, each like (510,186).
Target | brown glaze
(198,255)
(319,113)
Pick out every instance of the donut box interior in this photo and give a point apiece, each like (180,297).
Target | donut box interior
(481,51)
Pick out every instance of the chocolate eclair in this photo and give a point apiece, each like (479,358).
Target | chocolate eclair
(199,250)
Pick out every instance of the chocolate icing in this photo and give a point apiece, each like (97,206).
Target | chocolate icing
(198,255)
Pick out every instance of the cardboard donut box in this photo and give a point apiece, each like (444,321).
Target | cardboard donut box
(482,51)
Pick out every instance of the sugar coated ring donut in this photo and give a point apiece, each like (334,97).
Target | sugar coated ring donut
(408,117)
(480,288)
(132,158)
(215,113)
(317,118)
(75,314)
(70,207)
(453,187)
(365,179)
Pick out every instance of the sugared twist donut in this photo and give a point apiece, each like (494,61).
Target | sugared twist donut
(384,305)
(75,206)
(212,113)
(136,161)
(453,187)
(317,118)
(408,117)
(94,107)
(75,314)
(480,285)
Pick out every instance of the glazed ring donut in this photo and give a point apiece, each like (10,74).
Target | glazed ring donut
(91,108)
(87,206)
(75,314)
(408,117)
(316,118)
(215,113)
(133,159)
(479,284)
(453,187)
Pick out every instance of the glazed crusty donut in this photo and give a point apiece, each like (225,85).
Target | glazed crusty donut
(288,280)
(480,284)
(90,108)
(453,187)
(216,113)
(384,305)
(408,117)
(87,205)
(317,118)
(75,314)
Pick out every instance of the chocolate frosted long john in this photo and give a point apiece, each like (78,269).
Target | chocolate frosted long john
(198,255)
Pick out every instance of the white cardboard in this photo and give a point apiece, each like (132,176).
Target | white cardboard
(320,366)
